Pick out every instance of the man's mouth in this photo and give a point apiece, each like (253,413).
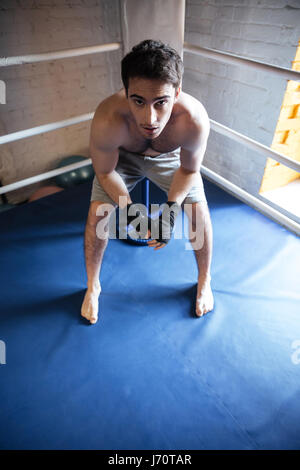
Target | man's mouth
(150,130)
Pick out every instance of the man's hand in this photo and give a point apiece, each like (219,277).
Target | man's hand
(164,226)
(137,218)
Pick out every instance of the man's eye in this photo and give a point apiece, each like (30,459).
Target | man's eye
(138,102)
(161,103)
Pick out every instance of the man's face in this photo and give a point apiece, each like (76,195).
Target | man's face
(151,103)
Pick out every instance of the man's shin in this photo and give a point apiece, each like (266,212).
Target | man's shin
(197,217)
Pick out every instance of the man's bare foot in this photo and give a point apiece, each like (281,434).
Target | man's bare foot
(205,299)
(89,309)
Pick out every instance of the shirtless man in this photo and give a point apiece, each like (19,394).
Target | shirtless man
(150,128)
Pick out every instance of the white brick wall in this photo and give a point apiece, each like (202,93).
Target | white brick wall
(246,100)
(51,91)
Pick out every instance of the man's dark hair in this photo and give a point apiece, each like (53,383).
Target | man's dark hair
(154,60)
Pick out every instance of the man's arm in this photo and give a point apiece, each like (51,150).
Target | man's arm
(104,151)
(191,157)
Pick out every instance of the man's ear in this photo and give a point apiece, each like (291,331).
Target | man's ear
(177,92)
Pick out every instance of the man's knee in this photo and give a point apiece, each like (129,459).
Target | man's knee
(98,211)
(197,213)
(98,219)
(198,216)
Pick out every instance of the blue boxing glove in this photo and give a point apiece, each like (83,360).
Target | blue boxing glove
(165,223)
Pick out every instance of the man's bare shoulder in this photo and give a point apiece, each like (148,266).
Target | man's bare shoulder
(193,119)
(109,121)
(193,110)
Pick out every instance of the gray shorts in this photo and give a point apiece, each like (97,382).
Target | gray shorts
(160,170)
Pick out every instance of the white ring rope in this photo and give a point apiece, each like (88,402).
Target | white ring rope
(45,128)
(253,144)
(29,59)
(239,60)
(43,176)
(251,200)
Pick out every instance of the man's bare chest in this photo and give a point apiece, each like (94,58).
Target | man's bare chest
(151,147)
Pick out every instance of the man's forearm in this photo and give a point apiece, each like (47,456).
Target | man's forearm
(114,186)
(183,181)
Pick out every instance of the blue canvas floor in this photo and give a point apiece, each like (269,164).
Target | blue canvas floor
(149,374)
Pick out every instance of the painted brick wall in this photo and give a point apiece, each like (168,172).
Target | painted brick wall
(51,91)
(245,100)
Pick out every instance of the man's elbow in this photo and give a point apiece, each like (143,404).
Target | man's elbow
(102,175)
(189,171)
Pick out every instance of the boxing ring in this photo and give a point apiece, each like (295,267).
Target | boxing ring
(149,374)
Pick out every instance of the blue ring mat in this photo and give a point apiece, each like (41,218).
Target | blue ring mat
(149,374)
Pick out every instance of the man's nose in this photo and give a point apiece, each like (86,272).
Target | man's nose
(150,116)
